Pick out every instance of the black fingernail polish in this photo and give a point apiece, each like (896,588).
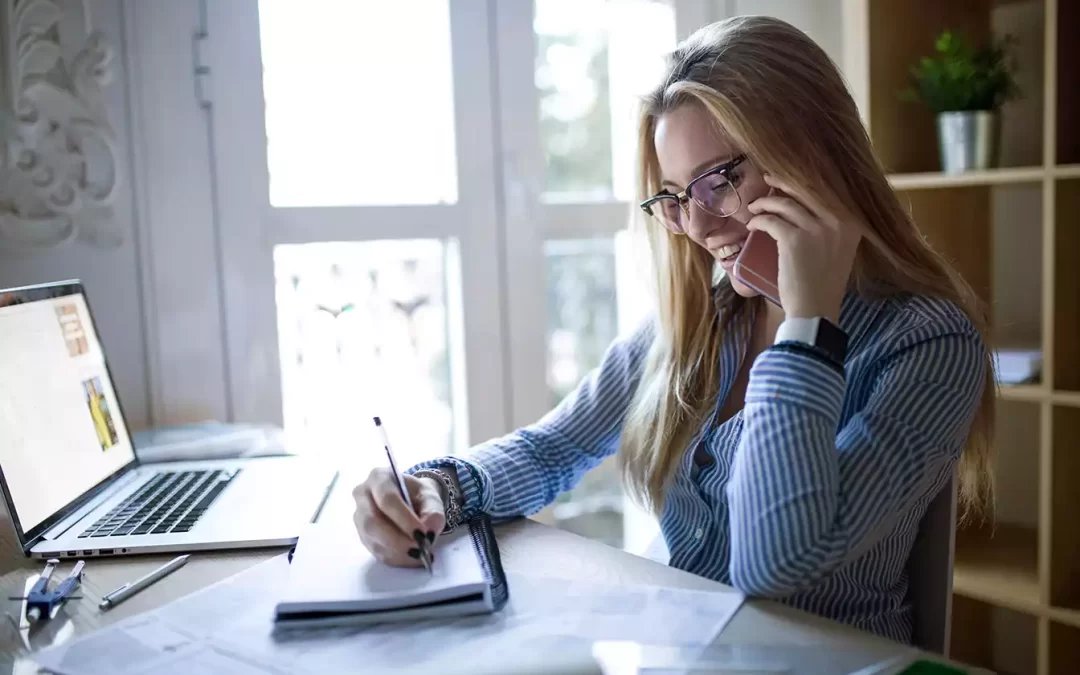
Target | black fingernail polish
(414,553)
(431,537)
(418,537)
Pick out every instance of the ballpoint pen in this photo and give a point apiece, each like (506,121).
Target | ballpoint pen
(127,590)
(421,541)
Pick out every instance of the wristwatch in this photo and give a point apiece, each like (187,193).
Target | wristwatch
(818,333)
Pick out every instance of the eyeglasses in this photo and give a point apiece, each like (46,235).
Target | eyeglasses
(714,191)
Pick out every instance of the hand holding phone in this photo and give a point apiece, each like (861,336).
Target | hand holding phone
(819,248)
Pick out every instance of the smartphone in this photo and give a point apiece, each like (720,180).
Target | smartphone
(758,265)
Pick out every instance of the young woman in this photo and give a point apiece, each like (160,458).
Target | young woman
(788,452)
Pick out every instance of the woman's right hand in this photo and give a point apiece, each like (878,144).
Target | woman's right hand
(387,526)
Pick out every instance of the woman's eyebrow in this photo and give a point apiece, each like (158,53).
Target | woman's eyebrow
(700,169)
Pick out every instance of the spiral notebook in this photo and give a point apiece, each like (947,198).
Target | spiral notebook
(335,581)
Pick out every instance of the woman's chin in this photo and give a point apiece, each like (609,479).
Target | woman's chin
(742,289)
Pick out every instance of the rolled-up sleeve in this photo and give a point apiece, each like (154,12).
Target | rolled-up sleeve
(806,497)
(521,473)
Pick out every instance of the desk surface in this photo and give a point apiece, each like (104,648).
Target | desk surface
(526,547)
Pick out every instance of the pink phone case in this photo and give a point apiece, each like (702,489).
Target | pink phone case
(758,265)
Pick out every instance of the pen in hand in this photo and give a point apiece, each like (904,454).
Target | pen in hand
(421,541)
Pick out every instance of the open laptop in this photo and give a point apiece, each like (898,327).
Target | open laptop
(70,478)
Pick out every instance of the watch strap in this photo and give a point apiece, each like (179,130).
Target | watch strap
(817,332)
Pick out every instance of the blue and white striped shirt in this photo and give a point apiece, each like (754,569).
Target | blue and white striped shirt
(816,487)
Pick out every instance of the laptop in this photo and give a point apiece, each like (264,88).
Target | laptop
(72,482)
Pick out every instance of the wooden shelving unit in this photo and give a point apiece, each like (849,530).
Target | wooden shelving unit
(999,567)
(1014,233)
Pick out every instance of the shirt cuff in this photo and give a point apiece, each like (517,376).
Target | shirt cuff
(470,479)
(789,373)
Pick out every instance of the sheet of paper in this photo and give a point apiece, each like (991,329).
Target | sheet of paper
(623,657)
(232,621)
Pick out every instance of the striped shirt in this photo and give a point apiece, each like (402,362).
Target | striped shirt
(815,489)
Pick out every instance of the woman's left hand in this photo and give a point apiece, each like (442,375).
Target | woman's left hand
(817,249)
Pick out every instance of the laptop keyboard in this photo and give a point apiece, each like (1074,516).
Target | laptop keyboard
(171,501)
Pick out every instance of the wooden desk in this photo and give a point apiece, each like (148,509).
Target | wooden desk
(526,546)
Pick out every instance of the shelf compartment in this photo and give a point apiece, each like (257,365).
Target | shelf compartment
(999,568)
(999,639)
(993,235)
(1066,361)
(1068,82)
(997,562)
(1064,524)
(1064,649)
(902,31)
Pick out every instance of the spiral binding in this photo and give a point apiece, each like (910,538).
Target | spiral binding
(487,550)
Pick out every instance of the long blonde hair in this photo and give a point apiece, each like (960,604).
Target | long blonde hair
(783,103)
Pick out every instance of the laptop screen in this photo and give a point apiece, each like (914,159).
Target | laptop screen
(61,431)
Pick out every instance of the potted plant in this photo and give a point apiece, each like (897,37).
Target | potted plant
(965,86)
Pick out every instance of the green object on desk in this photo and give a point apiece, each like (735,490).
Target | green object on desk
(924,667)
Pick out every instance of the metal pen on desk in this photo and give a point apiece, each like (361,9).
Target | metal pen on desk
(127,590)
(421,542)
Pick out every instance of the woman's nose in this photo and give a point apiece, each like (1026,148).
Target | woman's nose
(699,222)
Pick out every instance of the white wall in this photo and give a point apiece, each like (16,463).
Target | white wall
(112,278)
(156,298)
(822,20)
(187,363)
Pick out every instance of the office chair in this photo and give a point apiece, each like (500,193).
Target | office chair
(930,572)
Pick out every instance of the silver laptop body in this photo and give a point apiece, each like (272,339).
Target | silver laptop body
(71,481)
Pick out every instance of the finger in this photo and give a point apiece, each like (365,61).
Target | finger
(385,541)
(775,226)
(387,497)
(808,200)
(429,505)
(791,210)
(361,491)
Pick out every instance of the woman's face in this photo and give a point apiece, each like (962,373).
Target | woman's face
(687,145)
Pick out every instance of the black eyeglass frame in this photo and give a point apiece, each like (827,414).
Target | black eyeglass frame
(683,198)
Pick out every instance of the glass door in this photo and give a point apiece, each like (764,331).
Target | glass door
(355,188)
(570,75)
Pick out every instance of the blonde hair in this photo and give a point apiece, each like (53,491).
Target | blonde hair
(783,103)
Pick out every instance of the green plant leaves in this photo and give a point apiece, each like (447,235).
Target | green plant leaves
(961,77)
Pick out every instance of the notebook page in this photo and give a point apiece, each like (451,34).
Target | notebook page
(332,571)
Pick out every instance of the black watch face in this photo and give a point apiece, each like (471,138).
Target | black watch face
(832,339)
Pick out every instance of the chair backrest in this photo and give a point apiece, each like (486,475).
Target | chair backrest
(930,572)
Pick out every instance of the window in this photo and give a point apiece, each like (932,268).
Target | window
(363,331)
(594,60)
(342,128)
(582,312)
(447,221)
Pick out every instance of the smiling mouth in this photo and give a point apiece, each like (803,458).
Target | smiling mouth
(726,253)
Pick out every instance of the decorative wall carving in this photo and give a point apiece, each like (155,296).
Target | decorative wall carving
(59,161)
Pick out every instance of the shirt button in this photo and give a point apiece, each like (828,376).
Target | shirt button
(699,533)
